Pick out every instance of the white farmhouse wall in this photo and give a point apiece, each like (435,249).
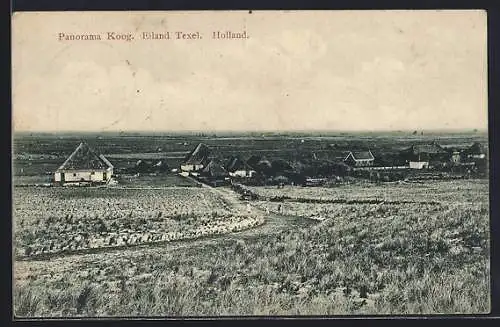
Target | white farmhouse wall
(190,167)
(479,156)
(243,173)
(419,164)
(364,162)
(83,175)
(76,176)
(455,158)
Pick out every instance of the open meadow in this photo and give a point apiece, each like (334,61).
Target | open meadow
(54,220)
(430,256)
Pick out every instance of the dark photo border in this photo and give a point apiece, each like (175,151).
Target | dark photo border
(493,11)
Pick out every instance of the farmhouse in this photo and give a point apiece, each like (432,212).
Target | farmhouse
(423,156)
(197,159)
(476,151)
(214,173)
(360,158)
(238,168)
(84,166)
(425,152)
(260,164)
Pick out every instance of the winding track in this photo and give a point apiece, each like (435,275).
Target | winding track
(273,223)
(59,264)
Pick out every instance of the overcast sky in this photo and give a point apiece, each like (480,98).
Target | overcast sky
(298,71)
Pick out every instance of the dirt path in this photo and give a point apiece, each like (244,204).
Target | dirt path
(274,222)
(66,261)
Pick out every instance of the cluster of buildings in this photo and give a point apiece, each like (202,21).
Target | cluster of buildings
(84,166)
(425,156)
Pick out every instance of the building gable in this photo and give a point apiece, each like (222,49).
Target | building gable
(84,158)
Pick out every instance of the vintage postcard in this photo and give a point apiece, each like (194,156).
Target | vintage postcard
(250,163)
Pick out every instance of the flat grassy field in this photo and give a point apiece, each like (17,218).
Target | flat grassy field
(65,220)
(155,180)
(428,255)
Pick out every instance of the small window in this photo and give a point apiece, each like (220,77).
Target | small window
(74,174)
(92,173)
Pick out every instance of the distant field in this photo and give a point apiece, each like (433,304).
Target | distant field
(159,180)
(464,191)
(147,155)
(31,180)
(362,259)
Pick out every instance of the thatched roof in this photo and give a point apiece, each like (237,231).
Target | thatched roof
(199,155)
(214,169)
(235,163)
(258,161)
(84,158)
(361,155)
(477,148)
(254,160)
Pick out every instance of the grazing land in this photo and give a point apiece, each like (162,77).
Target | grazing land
(165,245)
(69,219)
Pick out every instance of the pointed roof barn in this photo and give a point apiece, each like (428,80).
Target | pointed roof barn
(361,155)
(424,152)
(198,155)
(258,162)
(254,160)
(477,148)
(84,158)
(235,163)
(214,169)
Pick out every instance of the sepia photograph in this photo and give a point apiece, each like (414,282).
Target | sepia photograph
(177,164)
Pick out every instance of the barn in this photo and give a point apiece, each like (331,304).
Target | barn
(476,151)
(259,164)
(197,159)
(360,158)
(214,174)
(84,166)
(423,156)
(425,152)
(238,168)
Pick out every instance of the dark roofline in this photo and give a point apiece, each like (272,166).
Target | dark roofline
(106,161)
(351,153)
(61,167)
(189,158)
(231,164)
(101,157)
